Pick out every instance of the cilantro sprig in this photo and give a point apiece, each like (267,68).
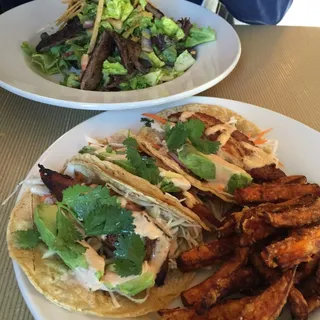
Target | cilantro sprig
(145,167)
(193,130)
(27,239)
(129,253)
(101,214)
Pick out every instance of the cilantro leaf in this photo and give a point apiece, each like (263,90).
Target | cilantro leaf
(147,121)
(129,254)
(176,136)
(109,219)
(145,167)
(193,130)
(168,186)
(205,146)
(67,233)
(130,142)
(83,199)
(27,239)
(195,127)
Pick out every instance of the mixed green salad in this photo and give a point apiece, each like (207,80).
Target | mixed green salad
(113,45)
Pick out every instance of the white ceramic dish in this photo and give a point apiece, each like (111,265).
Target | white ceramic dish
(25,23)
(297,152)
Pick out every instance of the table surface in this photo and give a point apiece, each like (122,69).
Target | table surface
(279,70)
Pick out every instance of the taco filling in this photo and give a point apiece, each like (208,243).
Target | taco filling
(112,239)
(123,150)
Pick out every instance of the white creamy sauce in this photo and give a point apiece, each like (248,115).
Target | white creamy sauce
(226,131)
(40,190)
(156,126)
(259,158)
(113,157)
(87,278)
(145,227)
(186,115)
(177,179)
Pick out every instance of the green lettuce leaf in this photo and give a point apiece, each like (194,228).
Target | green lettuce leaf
(72,80)
(89,12)
(168,27)
(143,3)
(155,61)
(117,9)
(142,81)
(27,49)
(184,61)
(169,55)
(199,35)
(114,68)
(138,20)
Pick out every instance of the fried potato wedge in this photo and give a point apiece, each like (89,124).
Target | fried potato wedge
(230,309)
(268,305)
(193,295)
(308,212)
(241,279)
(206,254)
(291,251)
(313,303)
(272,192)
(298,304)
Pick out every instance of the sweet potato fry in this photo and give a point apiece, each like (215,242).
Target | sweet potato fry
(230,309)
(271,192)
(313,303)
(269,274)
(242,279)
(191,296)
(305,214)
(299,247)
(227,229)
(254,229)
(310,287)
(268,305)
(298,304)
(206,254)
(306,269)
(291,180)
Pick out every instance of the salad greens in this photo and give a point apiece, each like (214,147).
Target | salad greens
(153,48)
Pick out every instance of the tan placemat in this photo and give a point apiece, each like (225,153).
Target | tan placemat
(279,69)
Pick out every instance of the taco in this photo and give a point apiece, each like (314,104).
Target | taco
(214,148)
(121,157)
(93,244)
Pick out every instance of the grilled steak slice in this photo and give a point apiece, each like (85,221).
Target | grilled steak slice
(149,246)
(92,76)
(55,181)
(130,53)
(162,274)
(69,31)
(156,12)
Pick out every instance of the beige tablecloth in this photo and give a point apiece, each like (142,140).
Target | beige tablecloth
(279,69)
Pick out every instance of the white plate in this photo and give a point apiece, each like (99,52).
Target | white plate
(25,23)
(297,152)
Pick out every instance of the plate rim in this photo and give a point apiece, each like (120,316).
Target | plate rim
(19,274)
(102,106)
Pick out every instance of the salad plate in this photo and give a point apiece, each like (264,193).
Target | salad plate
(214,60)
(288,132)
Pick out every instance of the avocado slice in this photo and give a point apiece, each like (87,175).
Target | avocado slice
(45,220)
(132,286)
(214,169)
(196,162)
